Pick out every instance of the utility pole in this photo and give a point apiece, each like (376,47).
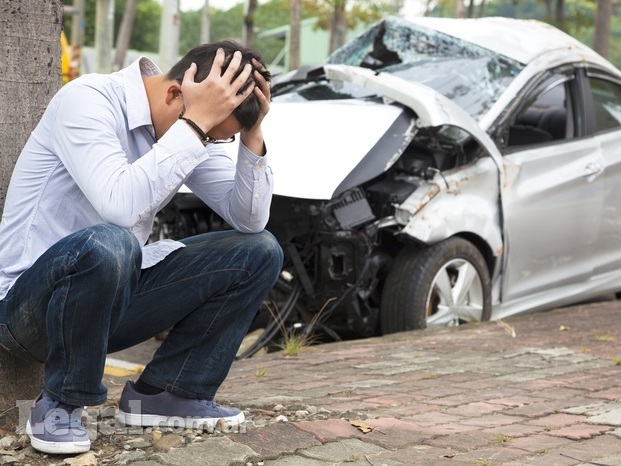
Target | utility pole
(205,24)
(104,33)
(169,34)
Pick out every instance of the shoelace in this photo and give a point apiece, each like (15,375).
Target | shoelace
(63,415)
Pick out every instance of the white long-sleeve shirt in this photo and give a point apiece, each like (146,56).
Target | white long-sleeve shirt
(93,158)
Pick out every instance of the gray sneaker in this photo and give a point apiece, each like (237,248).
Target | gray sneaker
(169,410)
(56,428)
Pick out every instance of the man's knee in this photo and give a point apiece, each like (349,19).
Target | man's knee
(266,245)
(110,245)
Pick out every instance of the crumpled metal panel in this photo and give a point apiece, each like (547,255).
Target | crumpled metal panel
(466,200)
(432,108)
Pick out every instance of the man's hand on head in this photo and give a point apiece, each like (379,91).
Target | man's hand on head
(209,102)
(253,137)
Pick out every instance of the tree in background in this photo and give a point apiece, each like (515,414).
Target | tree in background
(145,34)
(337,16)
(125,33)
(250,7)
(30,74)
(602,26)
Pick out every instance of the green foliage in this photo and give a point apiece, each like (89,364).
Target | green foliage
(227,24)
(146,30)
(358,11)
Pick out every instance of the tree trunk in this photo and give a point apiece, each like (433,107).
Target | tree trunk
(460,10)
(251,6)
(559,14)
(295,17)
(205,24)
(338,26)
(29,77)
(602,27)
(125,33)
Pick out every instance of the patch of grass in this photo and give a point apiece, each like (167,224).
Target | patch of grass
(260,372)
(294,343)
(603,336)
(617,361)
(502,438)
(484,463)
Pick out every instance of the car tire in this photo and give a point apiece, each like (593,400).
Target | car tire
(421,287)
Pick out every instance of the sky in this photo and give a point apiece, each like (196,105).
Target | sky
(411,7)
(190,5)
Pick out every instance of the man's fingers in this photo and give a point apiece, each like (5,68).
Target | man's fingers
(189,74)
(262,83)
(233,66)
(243,77)
(218,61)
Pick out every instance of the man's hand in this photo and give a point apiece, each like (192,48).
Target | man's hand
(211,101)
(253,137)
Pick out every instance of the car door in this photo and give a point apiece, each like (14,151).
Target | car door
(552,195)
(604,105)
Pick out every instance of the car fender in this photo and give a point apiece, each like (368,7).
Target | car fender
(463,202)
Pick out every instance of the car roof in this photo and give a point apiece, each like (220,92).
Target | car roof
(519,39)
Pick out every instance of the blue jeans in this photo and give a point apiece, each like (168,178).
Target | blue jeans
(86,296)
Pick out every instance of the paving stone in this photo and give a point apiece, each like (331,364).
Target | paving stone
(418,454)
(294,460)
(271,441)
(215,451)
(579,432)
(328,430)
(391,433)
(350,451)
(495,455)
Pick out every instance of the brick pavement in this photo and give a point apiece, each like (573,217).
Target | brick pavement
(472,395)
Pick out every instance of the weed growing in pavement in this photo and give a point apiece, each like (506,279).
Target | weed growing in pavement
(603,337)
(295,340)
(484,463)
(294,343)
(260,372)
(617,361)
(502,438)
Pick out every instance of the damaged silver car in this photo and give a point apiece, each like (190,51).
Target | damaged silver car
(437,172)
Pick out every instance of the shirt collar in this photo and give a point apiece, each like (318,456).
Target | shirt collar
(138,111)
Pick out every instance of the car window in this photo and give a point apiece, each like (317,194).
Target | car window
(469,75)
(607,102)
(548,117)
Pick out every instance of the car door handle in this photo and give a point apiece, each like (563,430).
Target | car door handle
(592,170)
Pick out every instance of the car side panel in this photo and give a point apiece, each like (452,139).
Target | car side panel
(553,203)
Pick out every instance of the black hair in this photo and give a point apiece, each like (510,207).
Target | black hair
(249,110)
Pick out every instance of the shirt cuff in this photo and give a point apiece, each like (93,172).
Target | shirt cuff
(183,144)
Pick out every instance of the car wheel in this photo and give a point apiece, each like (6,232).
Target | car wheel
(446,284)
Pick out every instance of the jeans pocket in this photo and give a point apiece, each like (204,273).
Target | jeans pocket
(8,342)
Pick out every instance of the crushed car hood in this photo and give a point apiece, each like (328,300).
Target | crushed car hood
(316,147)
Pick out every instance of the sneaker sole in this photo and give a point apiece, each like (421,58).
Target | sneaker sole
(157,420)
(57,448)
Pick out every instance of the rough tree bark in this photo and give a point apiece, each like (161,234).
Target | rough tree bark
(29,77)
(602,27)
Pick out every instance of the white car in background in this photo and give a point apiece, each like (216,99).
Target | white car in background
(441,171)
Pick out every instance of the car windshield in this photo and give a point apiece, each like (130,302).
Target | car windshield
(471,76)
